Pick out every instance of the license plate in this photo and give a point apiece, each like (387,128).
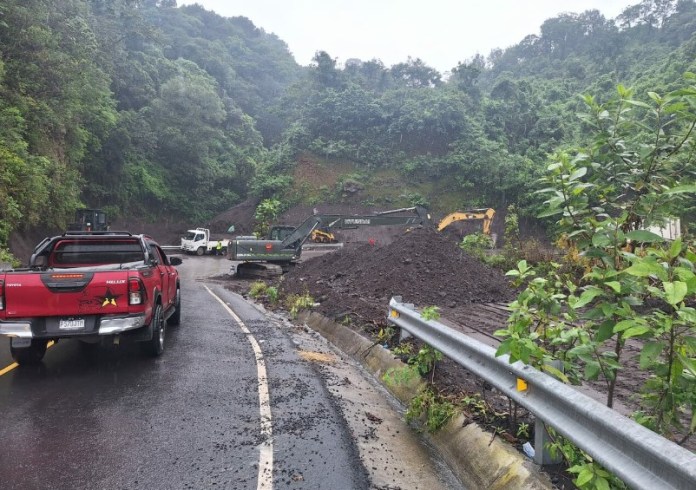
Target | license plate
(72,324)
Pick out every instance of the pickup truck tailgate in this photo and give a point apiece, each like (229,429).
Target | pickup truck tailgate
(67,293)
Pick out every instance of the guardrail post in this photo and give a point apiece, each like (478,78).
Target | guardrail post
(542,438)
(403,333)
(542,455)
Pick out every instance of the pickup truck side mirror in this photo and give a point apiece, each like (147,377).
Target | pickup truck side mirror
(175,261)
(40,261)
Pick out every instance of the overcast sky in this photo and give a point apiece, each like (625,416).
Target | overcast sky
(440,32)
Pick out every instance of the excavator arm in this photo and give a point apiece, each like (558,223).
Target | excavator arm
(475,214)
(282,253)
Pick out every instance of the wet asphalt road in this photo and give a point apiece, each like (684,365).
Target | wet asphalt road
(189,419)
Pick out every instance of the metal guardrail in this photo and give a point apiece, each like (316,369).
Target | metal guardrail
(640,457)
(170,248)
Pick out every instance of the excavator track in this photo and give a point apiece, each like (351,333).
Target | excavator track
(257,270)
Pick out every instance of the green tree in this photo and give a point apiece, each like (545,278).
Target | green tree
(416,74)
(637,170)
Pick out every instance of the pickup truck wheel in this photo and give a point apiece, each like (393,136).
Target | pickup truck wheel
(175,319)
(155,347)
(29,355)
(200,251)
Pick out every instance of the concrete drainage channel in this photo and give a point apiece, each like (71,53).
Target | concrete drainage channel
(479,461)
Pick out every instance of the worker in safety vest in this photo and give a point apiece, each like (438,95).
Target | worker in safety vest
(218,248)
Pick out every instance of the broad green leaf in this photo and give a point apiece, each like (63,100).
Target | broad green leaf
(690,343)
(675,292)
(684,274)
(587,296)
(556,373)
(655,96)
(623,91)
(601,239)
(650,352)
(550,212)
(673,109)
(689,364)
(624,325)
(504,347)
(592,370)
(639,104)
(577,174)
(645,268)
(681,189)
(644,236)
(602,484)
(584,477)
(605,331)
(580,188)
(675,248)
(615,285)
(580,350)
(635,331)
(687,314)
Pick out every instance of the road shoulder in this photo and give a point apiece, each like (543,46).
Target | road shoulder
(478,459)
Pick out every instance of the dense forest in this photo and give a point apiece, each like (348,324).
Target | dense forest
(144,108)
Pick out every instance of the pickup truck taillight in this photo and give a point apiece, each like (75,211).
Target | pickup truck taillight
(136,292)
(2,295)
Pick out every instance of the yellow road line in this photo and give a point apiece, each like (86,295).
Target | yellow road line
(9,368)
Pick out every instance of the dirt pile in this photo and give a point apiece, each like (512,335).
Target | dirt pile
(423,266)
(241,216)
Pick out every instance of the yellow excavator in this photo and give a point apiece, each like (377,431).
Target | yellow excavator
(484,214)
(323,236)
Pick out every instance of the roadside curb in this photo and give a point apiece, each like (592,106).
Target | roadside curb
(478,459)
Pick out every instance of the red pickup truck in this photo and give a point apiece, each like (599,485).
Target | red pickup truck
(91,286)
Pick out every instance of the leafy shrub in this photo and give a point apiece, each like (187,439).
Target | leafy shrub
(433,407)
(7,257)
(257,289)
(430,313)
(298,302)
(272,294)
(266,213)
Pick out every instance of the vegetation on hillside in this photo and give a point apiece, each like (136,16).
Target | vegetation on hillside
(149,109)
(619,287)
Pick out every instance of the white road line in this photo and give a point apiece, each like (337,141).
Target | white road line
(265,477)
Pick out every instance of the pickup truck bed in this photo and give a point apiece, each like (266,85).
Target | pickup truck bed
(90,286)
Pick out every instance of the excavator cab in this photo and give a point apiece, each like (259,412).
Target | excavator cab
(89,220)
(280,232)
